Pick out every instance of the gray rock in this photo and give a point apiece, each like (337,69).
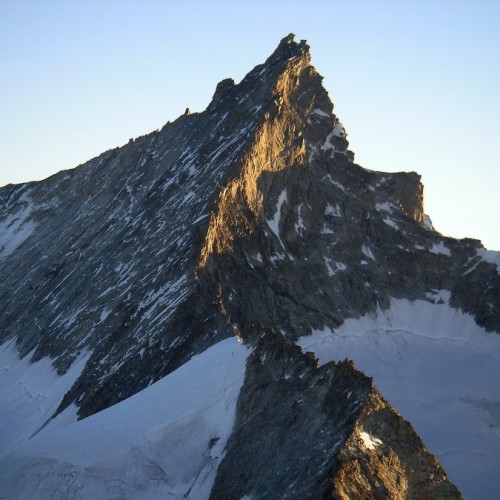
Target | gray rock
(305,431)
(251,212)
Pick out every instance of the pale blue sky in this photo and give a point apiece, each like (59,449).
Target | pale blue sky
(415,83)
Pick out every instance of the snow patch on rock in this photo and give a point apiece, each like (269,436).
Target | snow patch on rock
(369,441)
(490,256)
(274,223)
(440,249)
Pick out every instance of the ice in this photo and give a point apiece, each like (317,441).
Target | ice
(164,442)
(440,370)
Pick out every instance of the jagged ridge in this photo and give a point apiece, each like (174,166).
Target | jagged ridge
(305,431)
(252,211)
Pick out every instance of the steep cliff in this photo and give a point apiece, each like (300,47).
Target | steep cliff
(249,219)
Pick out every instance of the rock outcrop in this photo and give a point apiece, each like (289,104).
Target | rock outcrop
(309,431)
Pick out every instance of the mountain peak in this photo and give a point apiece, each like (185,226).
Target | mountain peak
(289,48)
(136,271)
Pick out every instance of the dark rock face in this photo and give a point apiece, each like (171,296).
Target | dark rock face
(251,212)
(305,431)
(293,418)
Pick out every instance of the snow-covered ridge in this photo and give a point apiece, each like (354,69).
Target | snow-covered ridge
(438,368)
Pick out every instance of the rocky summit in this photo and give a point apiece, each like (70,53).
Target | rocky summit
(187,316)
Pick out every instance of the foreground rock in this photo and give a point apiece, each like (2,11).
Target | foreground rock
(304,431)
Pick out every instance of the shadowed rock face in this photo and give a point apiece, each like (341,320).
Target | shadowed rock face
(251,212)
(305,431)
(293,418)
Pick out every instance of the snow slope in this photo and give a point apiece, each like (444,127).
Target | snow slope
(441,371)
(164,442)
(30,393)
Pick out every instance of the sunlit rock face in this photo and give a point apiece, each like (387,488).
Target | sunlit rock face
(249,219)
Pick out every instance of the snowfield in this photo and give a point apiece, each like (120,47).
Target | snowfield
(441,371)
(164,442)
(30,394)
